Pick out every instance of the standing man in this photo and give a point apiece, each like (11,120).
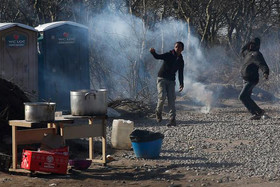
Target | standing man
(253,60)
(172,62)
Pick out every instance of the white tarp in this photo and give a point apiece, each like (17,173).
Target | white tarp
(4,26)
(52,25)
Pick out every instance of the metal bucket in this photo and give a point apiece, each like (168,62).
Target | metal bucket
(88,102)
(39,111)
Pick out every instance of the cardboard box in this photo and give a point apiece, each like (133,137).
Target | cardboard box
(52,141)
(54,161)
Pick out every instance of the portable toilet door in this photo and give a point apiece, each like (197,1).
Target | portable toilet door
(19,58)
(63,61)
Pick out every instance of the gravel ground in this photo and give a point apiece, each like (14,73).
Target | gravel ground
(223,142)
(222,148)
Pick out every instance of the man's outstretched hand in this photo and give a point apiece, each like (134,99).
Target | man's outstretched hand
(152,50)
(181,88)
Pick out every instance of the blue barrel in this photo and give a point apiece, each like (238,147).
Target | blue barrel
(146,144)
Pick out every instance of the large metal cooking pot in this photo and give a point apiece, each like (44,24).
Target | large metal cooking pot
(88,102)
(39,111)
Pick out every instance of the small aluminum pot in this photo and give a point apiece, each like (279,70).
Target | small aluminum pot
(39,111)
(88,102)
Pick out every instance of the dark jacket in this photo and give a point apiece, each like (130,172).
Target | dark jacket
(253,60)
(171,64)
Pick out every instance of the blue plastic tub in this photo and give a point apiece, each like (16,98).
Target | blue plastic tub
(150,149)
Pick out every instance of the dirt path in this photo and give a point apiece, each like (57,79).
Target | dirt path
(132,173)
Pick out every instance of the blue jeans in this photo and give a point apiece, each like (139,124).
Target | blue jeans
(245,98)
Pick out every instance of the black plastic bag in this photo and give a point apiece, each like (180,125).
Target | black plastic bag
(5,162)
(145,136)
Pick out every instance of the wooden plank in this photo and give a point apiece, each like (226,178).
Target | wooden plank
(50,125)
(14,146)
(33,135)
(85,117)
(28,172)
(20,123)
(62,120)
(82,131)
(104,141)
(90,141)
(23,123)
(99,161)
(20,171)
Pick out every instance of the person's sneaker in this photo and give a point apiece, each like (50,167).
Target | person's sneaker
(158,117)
(261,113)
(171,123)
(258,116)
(265,116)
(255,117)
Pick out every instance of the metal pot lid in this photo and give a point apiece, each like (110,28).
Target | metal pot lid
(80,91)
(39,103)
(83,92)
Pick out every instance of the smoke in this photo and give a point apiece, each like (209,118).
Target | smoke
(122,41)
(270,49)
(200,93)
(197,66)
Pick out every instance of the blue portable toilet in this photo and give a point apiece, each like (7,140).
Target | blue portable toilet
(63,63)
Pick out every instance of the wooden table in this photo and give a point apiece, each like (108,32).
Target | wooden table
(69,131)
(31,136)
(89,130)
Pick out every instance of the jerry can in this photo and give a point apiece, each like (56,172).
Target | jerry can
(121,129)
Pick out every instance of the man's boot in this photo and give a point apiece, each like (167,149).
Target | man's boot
(158,117)
(172,122)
